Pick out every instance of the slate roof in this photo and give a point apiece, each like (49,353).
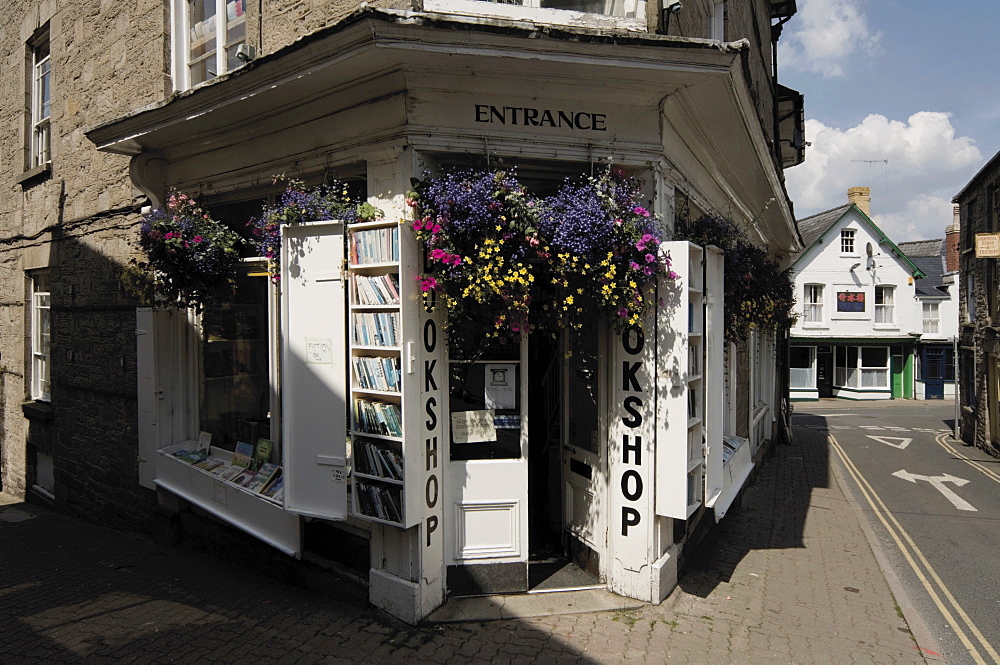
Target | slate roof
(813,227)
(915,248)
(928,255)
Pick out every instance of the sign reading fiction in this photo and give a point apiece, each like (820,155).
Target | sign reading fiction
(850,301)
(532,117)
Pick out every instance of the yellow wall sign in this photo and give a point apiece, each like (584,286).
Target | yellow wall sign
(987,245)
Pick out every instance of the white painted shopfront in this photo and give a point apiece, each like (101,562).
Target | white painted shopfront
(631,425)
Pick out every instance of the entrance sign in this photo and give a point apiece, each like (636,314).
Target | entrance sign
(939,484)
(533,117)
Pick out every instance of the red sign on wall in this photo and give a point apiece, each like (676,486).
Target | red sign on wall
(850,301)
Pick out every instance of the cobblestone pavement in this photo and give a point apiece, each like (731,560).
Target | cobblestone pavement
(787,578)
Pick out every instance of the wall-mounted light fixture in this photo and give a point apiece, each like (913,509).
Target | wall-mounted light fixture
(667,9)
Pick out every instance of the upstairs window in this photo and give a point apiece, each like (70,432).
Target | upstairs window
(884,303)
(847,241)
(628,13)
(931,318)
(41,335)
(207,34)
(41,100)
(813,303)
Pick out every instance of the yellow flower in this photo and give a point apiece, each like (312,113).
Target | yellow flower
(569,300)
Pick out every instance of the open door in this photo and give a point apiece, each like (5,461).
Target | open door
(584,473)
(487,473)
(313,370)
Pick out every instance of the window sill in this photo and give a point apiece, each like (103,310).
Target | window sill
(37,410)
(884,326)
(34,176)
(815,326)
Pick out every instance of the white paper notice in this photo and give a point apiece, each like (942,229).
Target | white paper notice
(501,380)
(472,426)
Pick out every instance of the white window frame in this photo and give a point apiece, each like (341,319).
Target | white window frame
(41,101)
(634,19)
(807,374)
(812,306)
(927,320)
(848,245)
(41,337)
(180,28)
(885,307)
(717,21)
(873,370)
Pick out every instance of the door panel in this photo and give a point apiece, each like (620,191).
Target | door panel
(584,439)
(486,518)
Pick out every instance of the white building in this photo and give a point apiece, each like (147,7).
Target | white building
(866,309)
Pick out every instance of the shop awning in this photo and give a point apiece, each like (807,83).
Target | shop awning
(292,109)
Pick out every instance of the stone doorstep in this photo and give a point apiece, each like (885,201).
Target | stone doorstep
(527,605)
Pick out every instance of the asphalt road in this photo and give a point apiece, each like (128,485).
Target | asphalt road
(933,506)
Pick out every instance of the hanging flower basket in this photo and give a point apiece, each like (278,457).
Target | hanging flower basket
(192,258)
(495,252)
(299,203)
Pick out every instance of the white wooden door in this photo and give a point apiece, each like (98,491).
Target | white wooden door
(584,450)
(486,515)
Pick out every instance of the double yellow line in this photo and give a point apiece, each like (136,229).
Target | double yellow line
(979,648)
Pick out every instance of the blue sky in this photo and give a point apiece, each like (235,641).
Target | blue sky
(902,96)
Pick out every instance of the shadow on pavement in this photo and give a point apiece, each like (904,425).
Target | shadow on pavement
(76,593)
(771,513)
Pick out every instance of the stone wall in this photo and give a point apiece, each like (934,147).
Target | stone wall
(979,339)
(77,220)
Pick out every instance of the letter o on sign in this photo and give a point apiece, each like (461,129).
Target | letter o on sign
(632,485)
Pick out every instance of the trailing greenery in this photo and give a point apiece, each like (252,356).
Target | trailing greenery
(758,294)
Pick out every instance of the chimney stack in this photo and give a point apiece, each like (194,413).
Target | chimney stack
(952,235)
(861,197)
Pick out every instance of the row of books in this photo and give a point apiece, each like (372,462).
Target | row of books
(266,481)
(375,245)
(373,459)
(376,329)
(375,289)
(377,418)
(380,502)
(377,372)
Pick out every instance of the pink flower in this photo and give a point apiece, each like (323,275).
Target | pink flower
(650,258)
(633,265)
(456,260)
(168,235)
(533,242)
(640,245)
(437,253)
(618,221)
(417,225)
(197,238)
(639,210)
(672,275)
(648,237)
(426,284)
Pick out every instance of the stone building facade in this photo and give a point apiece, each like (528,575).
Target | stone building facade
(80,72)
(979,312)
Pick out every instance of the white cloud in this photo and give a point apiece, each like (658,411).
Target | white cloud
(914,168)
(826,34)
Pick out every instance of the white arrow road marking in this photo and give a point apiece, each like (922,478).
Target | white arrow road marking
(894,441)
(938,482)
(871,427)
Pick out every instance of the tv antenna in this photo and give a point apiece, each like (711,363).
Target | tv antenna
(869,162)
